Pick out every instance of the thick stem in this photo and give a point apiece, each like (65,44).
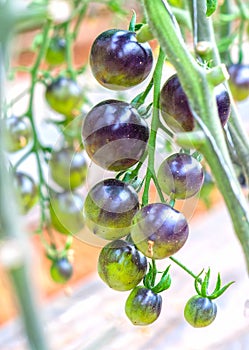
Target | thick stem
(202,102)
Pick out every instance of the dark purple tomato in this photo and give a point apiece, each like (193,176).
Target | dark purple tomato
(143,306)
(180,176)
(239,81)
(68,168)
(17,133)
(61,270)
(66,212)
(159,231)
(26,191)
(114,135)
(118,61)
(175,108)
(56,52)
(64,96)
(109,208)
(200,311)
(121,266)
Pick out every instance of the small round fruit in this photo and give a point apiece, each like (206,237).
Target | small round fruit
(143,306)
(175,108)
(64,96)
(159,231)
(118,61)
(17,133)
(180,176)
(121,266)
(66,212)
(200,311)
(239,81)
(114,135)
(26,191)
(109,208)
(68,168)
(61,270)
(56,52)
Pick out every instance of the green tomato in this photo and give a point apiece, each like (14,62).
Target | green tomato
(26,191)
(61,270)
(121,266)
(199,311)
(64,96)
(143,306)
(17,133)
(239,81)
(68,168)
(56,52)
(66,212)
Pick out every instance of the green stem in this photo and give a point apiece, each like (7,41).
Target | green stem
(150,174)
(225,29)
(199,91)
(177,262)
(69,51)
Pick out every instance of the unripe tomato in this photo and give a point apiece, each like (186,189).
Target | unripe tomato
(239,81)
(121,266)
(17,133)
(56,52)
(118,61)
(200,311)
(26,191)
(64,96)
(61,270)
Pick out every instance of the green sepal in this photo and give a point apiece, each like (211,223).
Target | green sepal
(211,7)
(148,278)
(164,283)
(205,284)
(197,282)
(220,291)
(132,25)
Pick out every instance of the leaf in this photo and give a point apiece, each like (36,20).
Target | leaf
(211,7)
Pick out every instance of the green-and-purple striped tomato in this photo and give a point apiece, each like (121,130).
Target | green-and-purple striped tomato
(121,266)
(61,270)
(143,306)
(239,81)
(109,208)
(200,311)
(118,61)
(114,135)
(159,231)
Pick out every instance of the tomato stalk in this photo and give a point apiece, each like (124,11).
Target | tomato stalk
(199,91)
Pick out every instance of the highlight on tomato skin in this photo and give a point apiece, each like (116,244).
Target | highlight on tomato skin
(121,266)
(143,306)
(159,230)
(200,311)
(109,208)
(175,108)
(180,175)
(118,61)
(114,135)
(239,81)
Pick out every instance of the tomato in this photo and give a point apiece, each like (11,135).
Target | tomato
(26,191)
(56,52)
(200,311)
(17,133)
(66,212)
(143,306)
(180,176)
(114,135)
(159,231)
(118,61)
(64,96)
(239,81)
(121,266)
(61,270)
(109,208)
(68,168)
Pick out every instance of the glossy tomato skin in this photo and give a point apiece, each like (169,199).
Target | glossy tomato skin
(143,306)
(61,270)
(26,191)
(66,212)
(17,133)
(199,311)
(121,266)
(239,81)
(64,96)
(161,225)
(56,52)
(114,135)
(118,61)
(175,109)
(180,176)
(68,168)
(109,208)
